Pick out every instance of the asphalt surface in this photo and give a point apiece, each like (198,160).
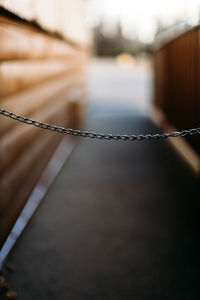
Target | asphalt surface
(121,221)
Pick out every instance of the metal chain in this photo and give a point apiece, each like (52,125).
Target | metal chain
(93,135)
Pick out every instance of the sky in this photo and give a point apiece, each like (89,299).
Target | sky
(139,17)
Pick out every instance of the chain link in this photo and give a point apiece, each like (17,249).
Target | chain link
(92,135)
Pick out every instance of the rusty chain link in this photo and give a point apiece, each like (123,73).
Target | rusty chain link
(99,136)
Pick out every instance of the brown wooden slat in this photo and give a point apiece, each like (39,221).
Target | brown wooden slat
(39,76)
(177,75)
(28,170)
(13,210)
(23,175)
(21,168)
(23,42)
(179,95)
(32,99)
(15,140)
(17,75)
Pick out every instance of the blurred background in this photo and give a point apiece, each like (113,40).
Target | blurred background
(125,35)
(118,220)
(133,27)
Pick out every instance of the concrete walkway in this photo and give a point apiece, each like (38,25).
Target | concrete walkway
(120,221)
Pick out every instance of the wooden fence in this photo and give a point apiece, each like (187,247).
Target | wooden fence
(38,74)
(177,81)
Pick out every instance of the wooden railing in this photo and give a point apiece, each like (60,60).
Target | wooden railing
(38,75)
(177,81)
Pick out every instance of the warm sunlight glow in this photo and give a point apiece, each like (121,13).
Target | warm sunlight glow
(125,61)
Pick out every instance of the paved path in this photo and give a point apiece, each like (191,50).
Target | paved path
(120,221)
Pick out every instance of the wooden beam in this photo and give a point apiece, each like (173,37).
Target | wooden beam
(18,75)
(34,98)
(16,140)
(30,43)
